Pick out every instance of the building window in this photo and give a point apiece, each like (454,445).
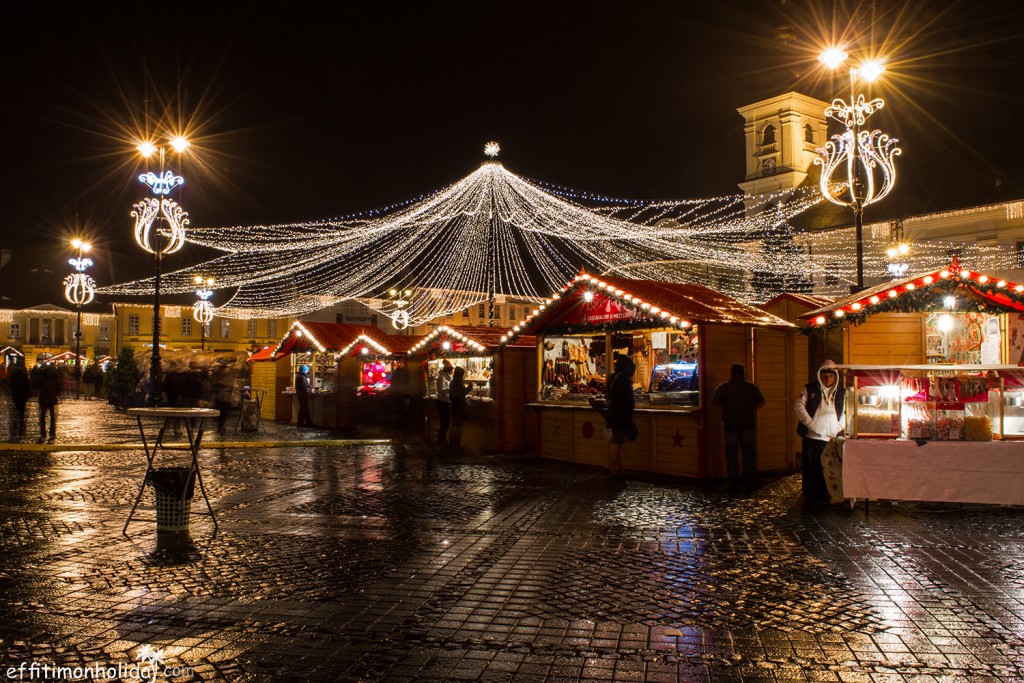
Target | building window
(104,332)
(768,135)
(186,327)
(45,330)
(251,332)
(133,324)
(956,252)
(481,311)
(225,329)
(808,133)
(272,329)
(512,313)
(15,331)
(1020,254)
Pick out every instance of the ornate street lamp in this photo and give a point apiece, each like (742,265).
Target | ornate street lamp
(865,154)
(79,289)
(400,317)
(167,238)
(202,310)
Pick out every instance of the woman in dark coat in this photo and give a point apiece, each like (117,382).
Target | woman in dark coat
(457,395)
(621,403)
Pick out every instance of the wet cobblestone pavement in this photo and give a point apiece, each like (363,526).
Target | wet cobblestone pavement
(393,562)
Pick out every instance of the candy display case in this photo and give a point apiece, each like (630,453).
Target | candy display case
(935,403)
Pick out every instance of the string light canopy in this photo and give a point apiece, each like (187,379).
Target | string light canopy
(431,250)
(931,291)
(539,239)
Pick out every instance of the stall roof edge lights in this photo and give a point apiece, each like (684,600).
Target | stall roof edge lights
(663,304)
(998,293)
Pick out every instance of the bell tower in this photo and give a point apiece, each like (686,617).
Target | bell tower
(783,134)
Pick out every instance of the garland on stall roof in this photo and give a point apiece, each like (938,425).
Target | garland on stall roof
(928,298)
(613,326)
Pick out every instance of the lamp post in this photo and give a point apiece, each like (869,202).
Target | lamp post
(79,289)
(202,310)
(862,152)
(168,238)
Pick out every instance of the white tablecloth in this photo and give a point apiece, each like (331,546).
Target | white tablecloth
(944,471)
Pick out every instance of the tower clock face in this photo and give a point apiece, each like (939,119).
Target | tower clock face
(768,167)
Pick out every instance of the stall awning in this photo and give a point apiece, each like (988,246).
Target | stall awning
(467,340)
(264,355)
(950,289)
(10,350)
(591,302)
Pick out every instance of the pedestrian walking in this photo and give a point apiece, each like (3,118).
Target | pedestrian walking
(442,386)
(48,385)
(820,413)
(21,389)
(302,393)
(457,391)
(739,399)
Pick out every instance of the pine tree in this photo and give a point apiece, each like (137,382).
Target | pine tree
(122,378)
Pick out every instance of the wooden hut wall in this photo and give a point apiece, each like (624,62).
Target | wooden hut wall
(776,420)
(886,339)
(516,368)
(273,377)
(801,346)
(722,346)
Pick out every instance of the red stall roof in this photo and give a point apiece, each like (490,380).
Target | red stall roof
(604,300)
(971,291)
(468,340)
(342,338)
(264,355)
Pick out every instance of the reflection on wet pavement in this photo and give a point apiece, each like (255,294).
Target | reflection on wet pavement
(394,562)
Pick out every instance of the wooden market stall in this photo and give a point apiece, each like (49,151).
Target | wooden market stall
(683,339)
(502,379)
(350,373)
(933,359)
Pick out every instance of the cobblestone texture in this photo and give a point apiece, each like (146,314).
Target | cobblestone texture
(394,563)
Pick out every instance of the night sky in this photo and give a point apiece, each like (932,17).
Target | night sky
(299,114)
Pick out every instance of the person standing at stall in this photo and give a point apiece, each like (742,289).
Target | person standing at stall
(738,400)
(442,386)
(302,392)
(621,403)
(457,393)
(820,413)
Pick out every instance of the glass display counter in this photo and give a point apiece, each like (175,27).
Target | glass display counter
(576,368)
(323,371)
(477,378)
(936,403)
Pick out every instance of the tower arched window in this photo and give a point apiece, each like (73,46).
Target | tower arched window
(768,135)
(808,133)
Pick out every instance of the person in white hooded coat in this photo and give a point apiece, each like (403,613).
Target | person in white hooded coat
(820,413)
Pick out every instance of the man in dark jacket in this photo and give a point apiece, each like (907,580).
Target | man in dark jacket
(738,400)
(48,385)
(21,389)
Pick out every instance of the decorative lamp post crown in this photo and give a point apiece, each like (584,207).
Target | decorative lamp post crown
(868,156)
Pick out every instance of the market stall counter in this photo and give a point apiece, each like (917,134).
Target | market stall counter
(683,339)
(948,433)
(499,378)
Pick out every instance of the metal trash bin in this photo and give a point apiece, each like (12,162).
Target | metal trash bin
(172,512)
(250,415)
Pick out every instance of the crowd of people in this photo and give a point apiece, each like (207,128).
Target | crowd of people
(51,383)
